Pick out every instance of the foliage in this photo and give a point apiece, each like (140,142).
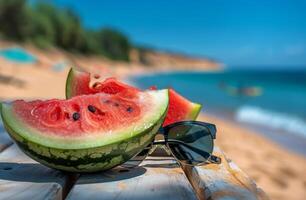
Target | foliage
(46,25)
(13,19)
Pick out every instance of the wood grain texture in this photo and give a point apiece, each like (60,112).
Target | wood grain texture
(223,181)
(23,178)
(156,178)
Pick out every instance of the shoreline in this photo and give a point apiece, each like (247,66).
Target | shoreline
(279,172)
(290,141)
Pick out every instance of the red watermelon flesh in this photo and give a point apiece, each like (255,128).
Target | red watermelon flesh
(87,116)
(179,109)
(81,114)
(78,83)
(112,86)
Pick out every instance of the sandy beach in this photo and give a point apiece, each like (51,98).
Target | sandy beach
(279,173)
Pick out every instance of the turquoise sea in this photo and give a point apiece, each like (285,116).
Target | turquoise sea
(272,102)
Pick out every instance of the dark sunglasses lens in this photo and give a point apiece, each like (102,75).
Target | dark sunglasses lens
(135,161)
(190,143)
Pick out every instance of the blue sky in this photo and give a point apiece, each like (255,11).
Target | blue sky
(237,32)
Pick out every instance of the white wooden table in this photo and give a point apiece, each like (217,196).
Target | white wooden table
(158,177)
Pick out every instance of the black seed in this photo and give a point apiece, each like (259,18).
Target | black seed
(76,116)
(129,109)
(91,108)
(116,104)
(96,85)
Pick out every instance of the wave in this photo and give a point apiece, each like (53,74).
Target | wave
(271,119)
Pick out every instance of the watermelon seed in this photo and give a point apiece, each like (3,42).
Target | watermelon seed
(129,109)
(96,85)
(96,76)
(116,104)
(76,116)
(91,108)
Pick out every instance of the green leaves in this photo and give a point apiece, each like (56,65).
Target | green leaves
(13,19)
(46,25)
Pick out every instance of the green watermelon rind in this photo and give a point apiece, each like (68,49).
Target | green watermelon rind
(87,160)
(69,83)
(195,111)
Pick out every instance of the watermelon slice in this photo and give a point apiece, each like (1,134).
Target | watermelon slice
(180,108)
(86,133)
(78,83)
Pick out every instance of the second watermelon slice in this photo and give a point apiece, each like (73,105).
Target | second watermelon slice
(79,83)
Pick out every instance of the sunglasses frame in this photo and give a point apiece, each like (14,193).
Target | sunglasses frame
(212,131)
(164,131)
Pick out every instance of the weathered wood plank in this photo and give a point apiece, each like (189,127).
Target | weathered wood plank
(156,178)
(23,178)
(223,181)
(5,140)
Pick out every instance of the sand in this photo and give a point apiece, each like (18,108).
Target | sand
(279,173)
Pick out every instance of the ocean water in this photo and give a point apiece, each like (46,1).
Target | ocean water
(273,102)
(17,54)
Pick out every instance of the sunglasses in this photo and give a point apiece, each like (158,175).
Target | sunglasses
(190,143)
